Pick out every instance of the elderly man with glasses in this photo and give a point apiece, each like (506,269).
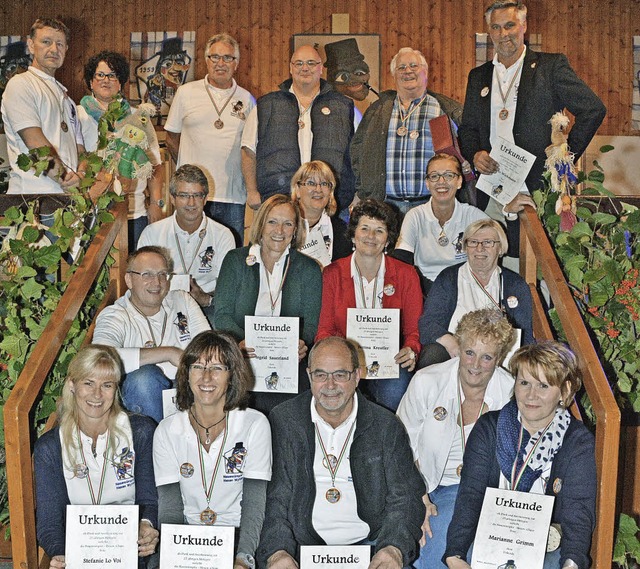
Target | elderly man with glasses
(149,326)
(393,143)
(306,119)
(343,473)
(196,243)
(204,127)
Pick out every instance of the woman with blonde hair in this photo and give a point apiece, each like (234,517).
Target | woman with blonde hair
(97,454)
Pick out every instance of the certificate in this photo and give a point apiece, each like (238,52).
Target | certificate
(169,402)
(515,163)
(275,339)
(513,527)
(101,536)
(335,556)
(377,332)
(195,547)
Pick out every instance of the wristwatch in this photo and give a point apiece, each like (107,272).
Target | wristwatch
(247,559)
(159,203)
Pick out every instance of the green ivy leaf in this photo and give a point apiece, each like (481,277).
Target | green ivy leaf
(48,256)
(581,229)
(32,289)
(31,234)
(25,272)
(604,218)
(15,346)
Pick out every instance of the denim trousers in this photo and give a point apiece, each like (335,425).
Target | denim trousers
(230,215)
(142,391)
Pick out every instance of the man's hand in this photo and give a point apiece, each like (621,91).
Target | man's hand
(147,539)
(457,563)
(253,199)
(517,204)
(388,557)
(484,163)
(57,562)
(432,510)
(202,298)
(302,350)
(281,560)
(450,343)
(248,352)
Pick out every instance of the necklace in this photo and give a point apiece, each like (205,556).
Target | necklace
(402,129)
(152,343)
(186,270)
(63,124)
(273,301)
(208,516)
(504,113)
(82,470)
(333,495)
(206,429)
(304,110)
(219,124)
(375,286)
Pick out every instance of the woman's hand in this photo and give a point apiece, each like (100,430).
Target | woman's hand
(57,562)
(517,204)
(450,343)
(248,352)
(147,539)
(302,350)
(457,563)
(432,510)
(406,357)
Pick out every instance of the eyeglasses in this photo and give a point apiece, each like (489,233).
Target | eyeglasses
(339,376)
(215,370)
(226,58)
(412,66)
(313,184)
(108,76)
(149,276)
(310,63)
(187,197)
(486,243)
(446,176)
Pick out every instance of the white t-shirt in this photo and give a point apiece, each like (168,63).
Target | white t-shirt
(198,254)
(246,454)
(336,523)
(35,99)
(119,485)
(421,230)
(216,151)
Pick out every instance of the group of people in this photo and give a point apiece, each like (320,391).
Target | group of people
(348,214)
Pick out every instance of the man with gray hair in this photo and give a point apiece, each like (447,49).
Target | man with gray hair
(204,128)
(197,244)
(393,143)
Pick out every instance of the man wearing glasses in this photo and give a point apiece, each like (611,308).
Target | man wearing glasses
(393,144)
(37,111)
(149,326)
(204,127)
(196,243)
(343,472)
(306,119)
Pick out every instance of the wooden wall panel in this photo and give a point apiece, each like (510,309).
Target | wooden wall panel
(595,35)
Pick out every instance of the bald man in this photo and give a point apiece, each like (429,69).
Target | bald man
(306,119)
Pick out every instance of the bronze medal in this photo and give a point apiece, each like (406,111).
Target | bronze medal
(208,517)
(459,470)
(64,126)
(80,471)
(414,134)
(503,114)
(443,240)
(218,124)
(439,413)
(332,460)
(186,469)
(402,131)
(333,495)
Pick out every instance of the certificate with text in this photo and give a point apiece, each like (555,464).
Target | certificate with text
(515,163)
(196,547)
(275,340)
(377,332)
(335,556)
(101,536)
(513,527)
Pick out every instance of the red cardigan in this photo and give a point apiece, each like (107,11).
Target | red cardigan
(338,294)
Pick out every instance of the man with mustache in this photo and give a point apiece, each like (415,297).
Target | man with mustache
(37,111)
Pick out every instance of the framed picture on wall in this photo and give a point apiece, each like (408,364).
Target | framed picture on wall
(351,62)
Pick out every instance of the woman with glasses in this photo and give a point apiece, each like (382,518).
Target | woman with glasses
(370,279)
(96,454)
(439,411)
(213,457)
(271,277)
(106,75)
(478,283)
(312,186)
(431,234)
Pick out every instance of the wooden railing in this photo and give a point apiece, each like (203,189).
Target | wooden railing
(536,254)
(19,406)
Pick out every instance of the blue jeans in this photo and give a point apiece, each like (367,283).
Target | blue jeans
(135,230)
(229,214)
(142,391)
(444,497)
(387,392)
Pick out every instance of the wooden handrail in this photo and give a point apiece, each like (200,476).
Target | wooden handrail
(536,253)
(19,405)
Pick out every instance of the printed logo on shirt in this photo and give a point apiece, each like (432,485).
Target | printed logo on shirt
(182,323)
(234,462)
(205,260)
(237,110)
(123,467)
(457,245)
